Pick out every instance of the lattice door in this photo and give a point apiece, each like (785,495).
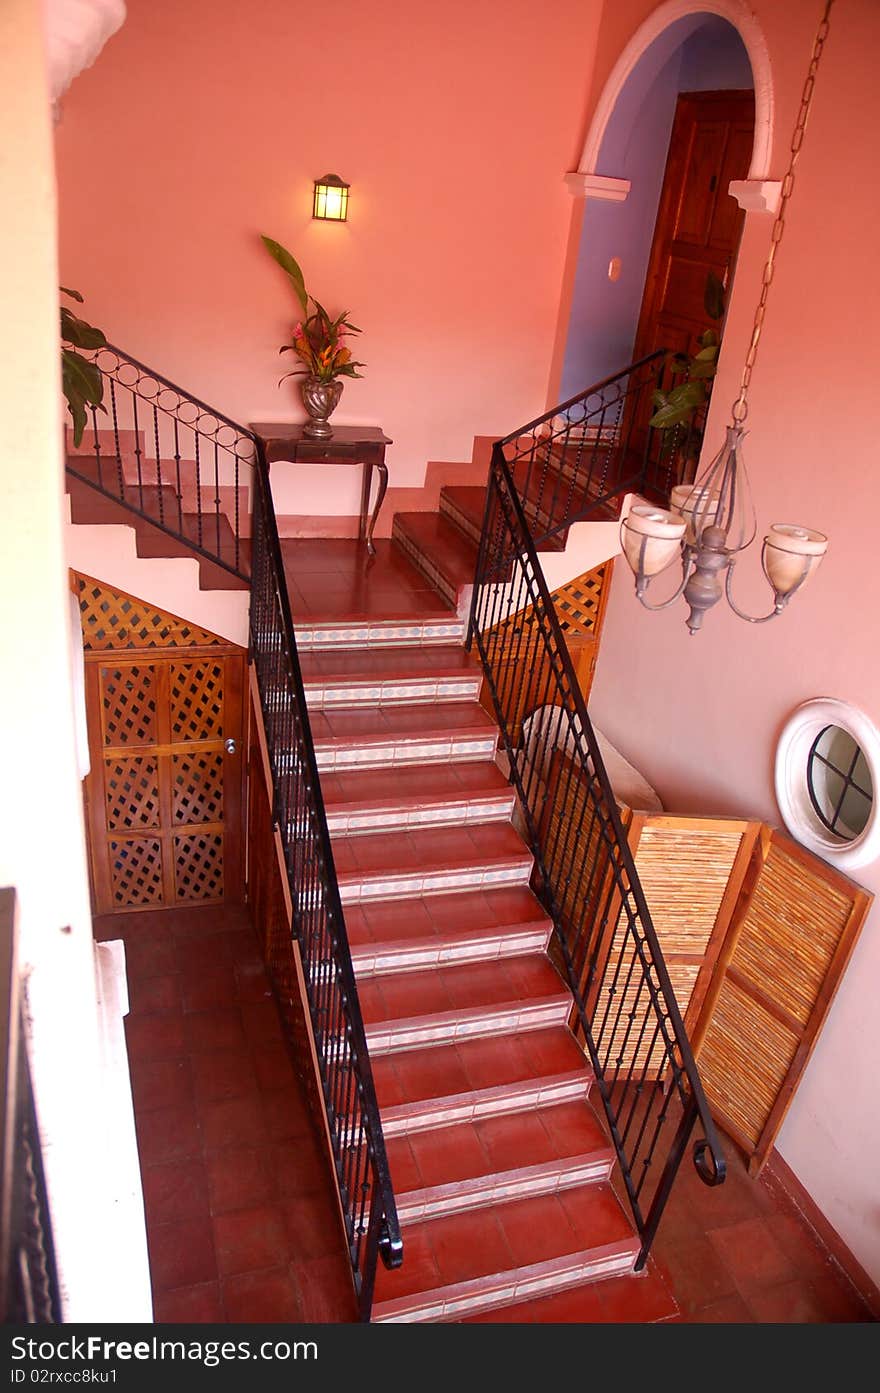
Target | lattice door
(165,794)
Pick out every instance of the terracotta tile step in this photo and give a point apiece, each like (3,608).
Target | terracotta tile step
(504,1252)
(389,865)
(417,795)
(446,557)
(442,1005)
(422,1087)
(426,672)
(440,930)
(403,630)
(449,1169)
(464,505)
(350,737)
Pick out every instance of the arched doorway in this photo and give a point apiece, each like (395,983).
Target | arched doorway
(684,46)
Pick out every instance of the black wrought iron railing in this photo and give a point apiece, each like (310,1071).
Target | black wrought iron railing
(604,941)
(28,1276)
(573,461)
(362,1173)
(168,457)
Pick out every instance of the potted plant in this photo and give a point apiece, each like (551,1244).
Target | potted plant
(318,341)
(681,412)
(81,379)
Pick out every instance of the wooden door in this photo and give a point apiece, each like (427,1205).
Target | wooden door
(698,229)
(698,224)
(165,794)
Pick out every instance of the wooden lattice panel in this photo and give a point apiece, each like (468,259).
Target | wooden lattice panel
(579,602)
(112,619)
(745,1056)
(791,934)
(128,696)
(196,699)
(164,796)
(136,872)
(131,793)
(198,866)
(197,787)
(772,950)
(684,866)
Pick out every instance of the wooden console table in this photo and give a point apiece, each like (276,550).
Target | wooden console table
(363,445)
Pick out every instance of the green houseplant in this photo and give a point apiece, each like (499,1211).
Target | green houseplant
(318,341)
(81,380)
(681,412)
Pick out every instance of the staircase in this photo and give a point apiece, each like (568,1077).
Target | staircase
(499,1164)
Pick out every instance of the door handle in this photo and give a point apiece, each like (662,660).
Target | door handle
(230,746)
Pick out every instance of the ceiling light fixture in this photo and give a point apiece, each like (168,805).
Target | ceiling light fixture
(708,523)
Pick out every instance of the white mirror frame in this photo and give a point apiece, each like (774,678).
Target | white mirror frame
(792,791)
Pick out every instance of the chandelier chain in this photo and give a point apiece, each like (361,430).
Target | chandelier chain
(741,405)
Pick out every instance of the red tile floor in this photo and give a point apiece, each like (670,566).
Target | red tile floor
(330,578)
(240,1215)
(241,1222)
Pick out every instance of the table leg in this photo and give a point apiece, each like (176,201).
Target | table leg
(366,487)
(383,485)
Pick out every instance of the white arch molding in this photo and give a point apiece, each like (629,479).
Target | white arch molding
(758,192)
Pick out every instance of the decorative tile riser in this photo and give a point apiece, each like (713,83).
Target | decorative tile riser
(442,815)
(424,564)
(406,885)
(310,637)
(444,1027)
(381,756)
(373,961)
(404,1119)
(399,692)
(461,520)
(505,1288)
(525,1183)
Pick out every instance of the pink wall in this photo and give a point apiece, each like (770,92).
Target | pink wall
(205,124)
(701,716)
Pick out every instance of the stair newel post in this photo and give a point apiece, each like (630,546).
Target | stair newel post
(481,555)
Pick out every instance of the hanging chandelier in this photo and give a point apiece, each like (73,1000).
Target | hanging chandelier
(708,523)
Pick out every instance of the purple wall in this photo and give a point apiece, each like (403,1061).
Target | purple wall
(697,53)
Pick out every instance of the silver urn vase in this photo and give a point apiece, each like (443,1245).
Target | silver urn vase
(320,399)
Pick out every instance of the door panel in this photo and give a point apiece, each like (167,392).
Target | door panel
(698,224)
(164,795)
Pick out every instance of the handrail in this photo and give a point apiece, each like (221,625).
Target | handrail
(604,937)
(573,460)
(362,1170)
(157,451)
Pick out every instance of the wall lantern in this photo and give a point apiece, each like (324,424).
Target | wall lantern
(331,199)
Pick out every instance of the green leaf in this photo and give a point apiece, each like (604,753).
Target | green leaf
(714,296)
(658,398)
(74,294)
(81,377)
(708,338)
(704,369)
(670,415)
(688,394)
(291,267)
(78,411)
(79,333)
(707,355)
